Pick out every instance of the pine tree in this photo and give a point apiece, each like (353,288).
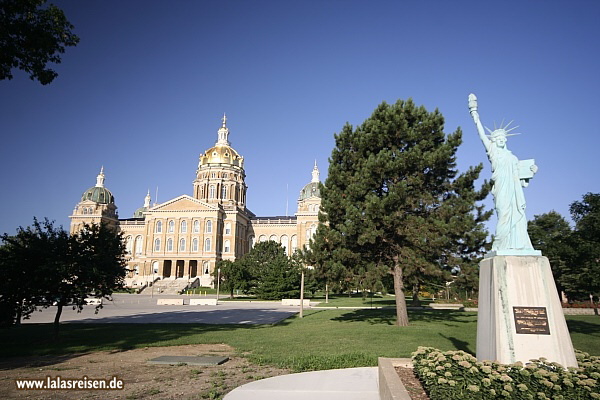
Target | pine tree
(394,200)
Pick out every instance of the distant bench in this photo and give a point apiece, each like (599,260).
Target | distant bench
(169,302)
(294,302)
(203,302)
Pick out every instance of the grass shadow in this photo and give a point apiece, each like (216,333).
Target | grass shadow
(388,316)
(458,344)
(577,326)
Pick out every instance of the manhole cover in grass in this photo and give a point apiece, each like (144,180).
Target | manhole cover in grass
(189,360)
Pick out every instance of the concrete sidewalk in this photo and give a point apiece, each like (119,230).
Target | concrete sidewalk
(336,384)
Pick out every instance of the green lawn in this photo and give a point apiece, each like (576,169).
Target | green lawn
(322,339)
(360,301)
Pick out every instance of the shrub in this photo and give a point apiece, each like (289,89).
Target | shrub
(458,375)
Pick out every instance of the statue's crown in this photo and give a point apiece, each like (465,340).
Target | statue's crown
(502,130)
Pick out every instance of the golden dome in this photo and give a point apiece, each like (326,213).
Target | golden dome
(221,154)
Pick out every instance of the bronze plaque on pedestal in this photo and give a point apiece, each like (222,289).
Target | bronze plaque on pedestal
(531,320)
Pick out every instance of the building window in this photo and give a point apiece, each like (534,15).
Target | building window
(208,226)
(211,192)
(196,226)
(169,244)
(224,192)
(183,228)
(155,267)
(171,227)
(294,244)
(195,245)
(228,228)
(227,246)
(284,244)
(205,267)
(273,238)
(157,244)
(251,242)
(158,227)
(129,244)
(182,244)
(262,238)
(138,245)
(136,269)
(207,244)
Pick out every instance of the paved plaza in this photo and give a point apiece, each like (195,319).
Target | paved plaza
(142,309)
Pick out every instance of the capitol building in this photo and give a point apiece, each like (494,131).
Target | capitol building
(181,240)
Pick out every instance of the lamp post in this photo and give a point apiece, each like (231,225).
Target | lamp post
(302,294)
(218,283)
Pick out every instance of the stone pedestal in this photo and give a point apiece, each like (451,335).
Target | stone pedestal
(520,316)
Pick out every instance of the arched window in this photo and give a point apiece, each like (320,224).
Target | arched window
(228,228)
(211,192)
(208,226)
(206,267)
(196,226)
(171,227)
(226,246)
(84,211)
(207,244)
(170,244)
(155,267)
(129,244)
(294,244)
(158,227)
(262,238)
(157,244)
(138,245)
(183,227)
(251,241)
(311,232)
(224,192)
(195,245)
(284,243)
(273,238)
(182,244)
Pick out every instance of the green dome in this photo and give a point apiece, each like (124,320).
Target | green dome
(139,213)
(310,190)
(98,195)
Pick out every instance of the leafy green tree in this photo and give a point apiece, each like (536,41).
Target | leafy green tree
(393,198)
(234,276)
(45,266)
(551,234)
(581,276)
(31,37)
(274,274)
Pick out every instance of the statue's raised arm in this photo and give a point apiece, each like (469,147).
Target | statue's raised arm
(475,115)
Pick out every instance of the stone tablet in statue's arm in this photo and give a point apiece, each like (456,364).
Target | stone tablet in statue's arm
(527,169)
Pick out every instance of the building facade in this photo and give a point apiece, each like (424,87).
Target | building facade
(183,238)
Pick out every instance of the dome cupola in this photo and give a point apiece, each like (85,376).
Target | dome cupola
(139,213)
(311,189)
(99,194)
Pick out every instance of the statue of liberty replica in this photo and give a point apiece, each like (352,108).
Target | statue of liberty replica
(520,316)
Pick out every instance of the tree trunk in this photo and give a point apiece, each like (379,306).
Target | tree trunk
(416,302)
(59,309)
(401,313)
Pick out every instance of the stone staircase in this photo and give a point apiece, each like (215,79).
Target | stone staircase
(167,286)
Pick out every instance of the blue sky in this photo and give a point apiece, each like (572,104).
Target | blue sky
(144,92)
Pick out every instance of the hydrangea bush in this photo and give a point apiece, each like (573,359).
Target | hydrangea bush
(458,375)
